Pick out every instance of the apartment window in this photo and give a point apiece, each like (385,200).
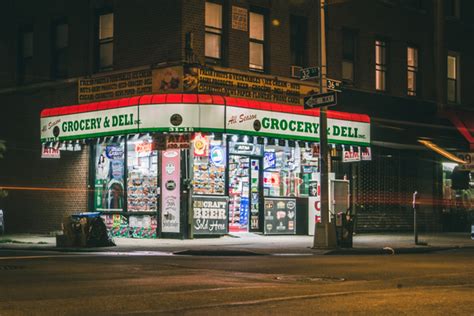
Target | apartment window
(298,39)
(412,70)
(60,45)
(452,9)
(213,21)
(256,41)
(25,58)
(348,55)
(453,78)
(106,42)
(380,65)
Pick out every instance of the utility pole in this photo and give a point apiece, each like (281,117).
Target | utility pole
(324,233)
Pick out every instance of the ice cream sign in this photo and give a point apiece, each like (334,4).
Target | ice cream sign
(295,126)
(90,124)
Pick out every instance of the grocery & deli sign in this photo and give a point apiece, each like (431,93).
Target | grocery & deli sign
(184,117)
(294,126)
(90,124)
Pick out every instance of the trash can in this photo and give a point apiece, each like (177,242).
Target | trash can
(2,223)
(344,229)
(84,230)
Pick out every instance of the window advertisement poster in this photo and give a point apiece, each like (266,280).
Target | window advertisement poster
(50,152)
(280,216)
(351,155)
(109,177)
(366,154)
(170,183)
(210,215)
(239,18)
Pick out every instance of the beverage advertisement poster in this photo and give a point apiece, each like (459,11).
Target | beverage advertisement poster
(280,216)
(109,177)
(170,183)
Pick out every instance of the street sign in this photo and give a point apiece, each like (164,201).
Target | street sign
(318,100)
(334,85)
(309,73)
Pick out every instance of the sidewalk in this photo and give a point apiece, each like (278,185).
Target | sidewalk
(247,244)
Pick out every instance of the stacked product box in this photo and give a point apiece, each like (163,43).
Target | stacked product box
(143,226)
(117,225)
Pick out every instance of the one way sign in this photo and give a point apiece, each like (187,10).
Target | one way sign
(319,100)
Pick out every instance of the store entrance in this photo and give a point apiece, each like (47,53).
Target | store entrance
(245,193)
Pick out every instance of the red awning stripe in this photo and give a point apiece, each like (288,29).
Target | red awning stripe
(201,99)
(464,122)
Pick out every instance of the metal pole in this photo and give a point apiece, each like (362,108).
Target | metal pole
(324,234)
(415,230)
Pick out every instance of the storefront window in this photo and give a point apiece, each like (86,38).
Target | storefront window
(282,171)
(290,171)
(209,166)
(109,176)
(142,163)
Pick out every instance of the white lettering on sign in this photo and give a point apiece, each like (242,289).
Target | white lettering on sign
(50,152)
(350,156)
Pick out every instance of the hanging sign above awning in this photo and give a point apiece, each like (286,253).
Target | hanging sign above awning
(205,113)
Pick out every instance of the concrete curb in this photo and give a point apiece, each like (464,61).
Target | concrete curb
(227,252)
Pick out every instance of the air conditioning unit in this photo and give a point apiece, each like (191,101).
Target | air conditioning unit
(296,71)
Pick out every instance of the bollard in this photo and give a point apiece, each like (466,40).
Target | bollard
(415,231)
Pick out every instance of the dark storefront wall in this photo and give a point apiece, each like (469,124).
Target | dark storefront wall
(382,190)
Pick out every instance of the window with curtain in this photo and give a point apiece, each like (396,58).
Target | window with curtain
(106,42)
(213,37)
(380,65)
(453,78)
(412,70)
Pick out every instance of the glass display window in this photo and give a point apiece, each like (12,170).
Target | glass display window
(142,175)
(282,175)
(109,176)
(209,164)
(309,170)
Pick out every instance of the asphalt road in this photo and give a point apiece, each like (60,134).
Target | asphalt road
(50,283)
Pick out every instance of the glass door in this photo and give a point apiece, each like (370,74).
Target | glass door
(239,193)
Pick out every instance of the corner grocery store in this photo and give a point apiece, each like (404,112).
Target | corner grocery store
(180,165)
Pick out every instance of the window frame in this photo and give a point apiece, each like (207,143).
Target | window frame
(260,42)
(345,57)
(415,70)
(456,80)
(455,10)
(105,41)
(298,51)
(382,67)
(59,51)
(215,31)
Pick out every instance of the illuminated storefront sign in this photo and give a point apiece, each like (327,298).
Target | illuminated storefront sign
(90,124)
(285,121)
(294,126)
